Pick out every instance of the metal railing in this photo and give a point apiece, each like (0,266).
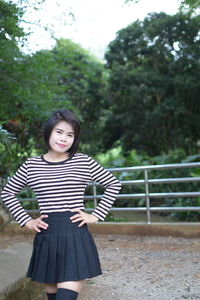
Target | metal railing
(147,195)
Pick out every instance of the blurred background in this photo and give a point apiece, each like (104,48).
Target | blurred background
(130,70)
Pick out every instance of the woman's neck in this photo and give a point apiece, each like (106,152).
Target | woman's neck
(55,156)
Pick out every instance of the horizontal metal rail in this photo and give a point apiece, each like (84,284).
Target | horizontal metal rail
(147,195)
(151,195)
(134,196)
(157,167)
(160,181)
(142,209)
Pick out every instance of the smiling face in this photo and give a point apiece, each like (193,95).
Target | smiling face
(62,137)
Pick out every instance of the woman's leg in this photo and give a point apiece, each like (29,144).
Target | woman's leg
(71,285)
(51,290)
(68,290)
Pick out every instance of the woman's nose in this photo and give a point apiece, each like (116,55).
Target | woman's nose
(63,138)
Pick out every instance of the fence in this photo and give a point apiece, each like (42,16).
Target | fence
(147,195)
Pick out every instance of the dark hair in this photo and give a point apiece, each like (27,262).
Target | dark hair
(55,118)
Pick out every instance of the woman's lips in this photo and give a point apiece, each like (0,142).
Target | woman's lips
(61,145)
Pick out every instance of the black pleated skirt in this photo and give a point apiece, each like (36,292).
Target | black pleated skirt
(63,252)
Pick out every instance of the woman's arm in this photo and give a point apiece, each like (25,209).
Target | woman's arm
(111,184)
(9,192)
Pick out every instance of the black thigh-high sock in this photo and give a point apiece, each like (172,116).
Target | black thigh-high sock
(51,296)
(65,294)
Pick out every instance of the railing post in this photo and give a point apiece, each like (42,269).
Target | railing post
(147,197)
(94,195)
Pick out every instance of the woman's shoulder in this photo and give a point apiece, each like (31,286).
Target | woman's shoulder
(33,159)
(83,156)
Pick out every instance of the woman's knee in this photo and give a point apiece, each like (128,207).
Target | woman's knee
(50,288)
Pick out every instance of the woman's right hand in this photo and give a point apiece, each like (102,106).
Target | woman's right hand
(36,224)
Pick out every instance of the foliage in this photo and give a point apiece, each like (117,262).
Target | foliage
(25,195)
(11,153)
(34,85)
(154,85)
(5,139)
(81,77)
(10,54)
(66,76)
(192,4)
(7,146)
(11,79)
(111,218)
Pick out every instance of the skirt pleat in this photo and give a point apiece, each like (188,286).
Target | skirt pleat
(63,252)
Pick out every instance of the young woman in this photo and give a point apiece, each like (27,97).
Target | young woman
(64,252)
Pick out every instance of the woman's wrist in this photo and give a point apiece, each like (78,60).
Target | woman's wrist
(27,224)
(95,218)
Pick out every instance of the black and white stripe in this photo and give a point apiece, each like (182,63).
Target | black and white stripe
(60,186)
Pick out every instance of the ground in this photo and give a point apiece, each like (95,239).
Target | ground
(140,268)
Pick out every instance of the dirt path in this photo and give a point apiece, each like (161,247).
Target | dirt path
(149,268)
(142,268)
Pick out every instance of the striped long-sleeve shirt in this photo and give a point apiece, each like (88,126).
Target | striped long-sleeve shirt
(59,186)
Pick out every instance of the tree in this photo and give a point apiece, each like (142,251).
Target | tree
(66,76)
(10,54)
(193,4)
(32,86)
(81,79)
(154,84)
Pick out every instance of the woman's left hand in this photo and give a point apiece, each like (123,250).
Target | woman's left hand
(83,217)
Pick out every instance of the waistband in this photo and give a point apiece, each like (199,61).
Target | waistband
(60,223)
(63,215)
